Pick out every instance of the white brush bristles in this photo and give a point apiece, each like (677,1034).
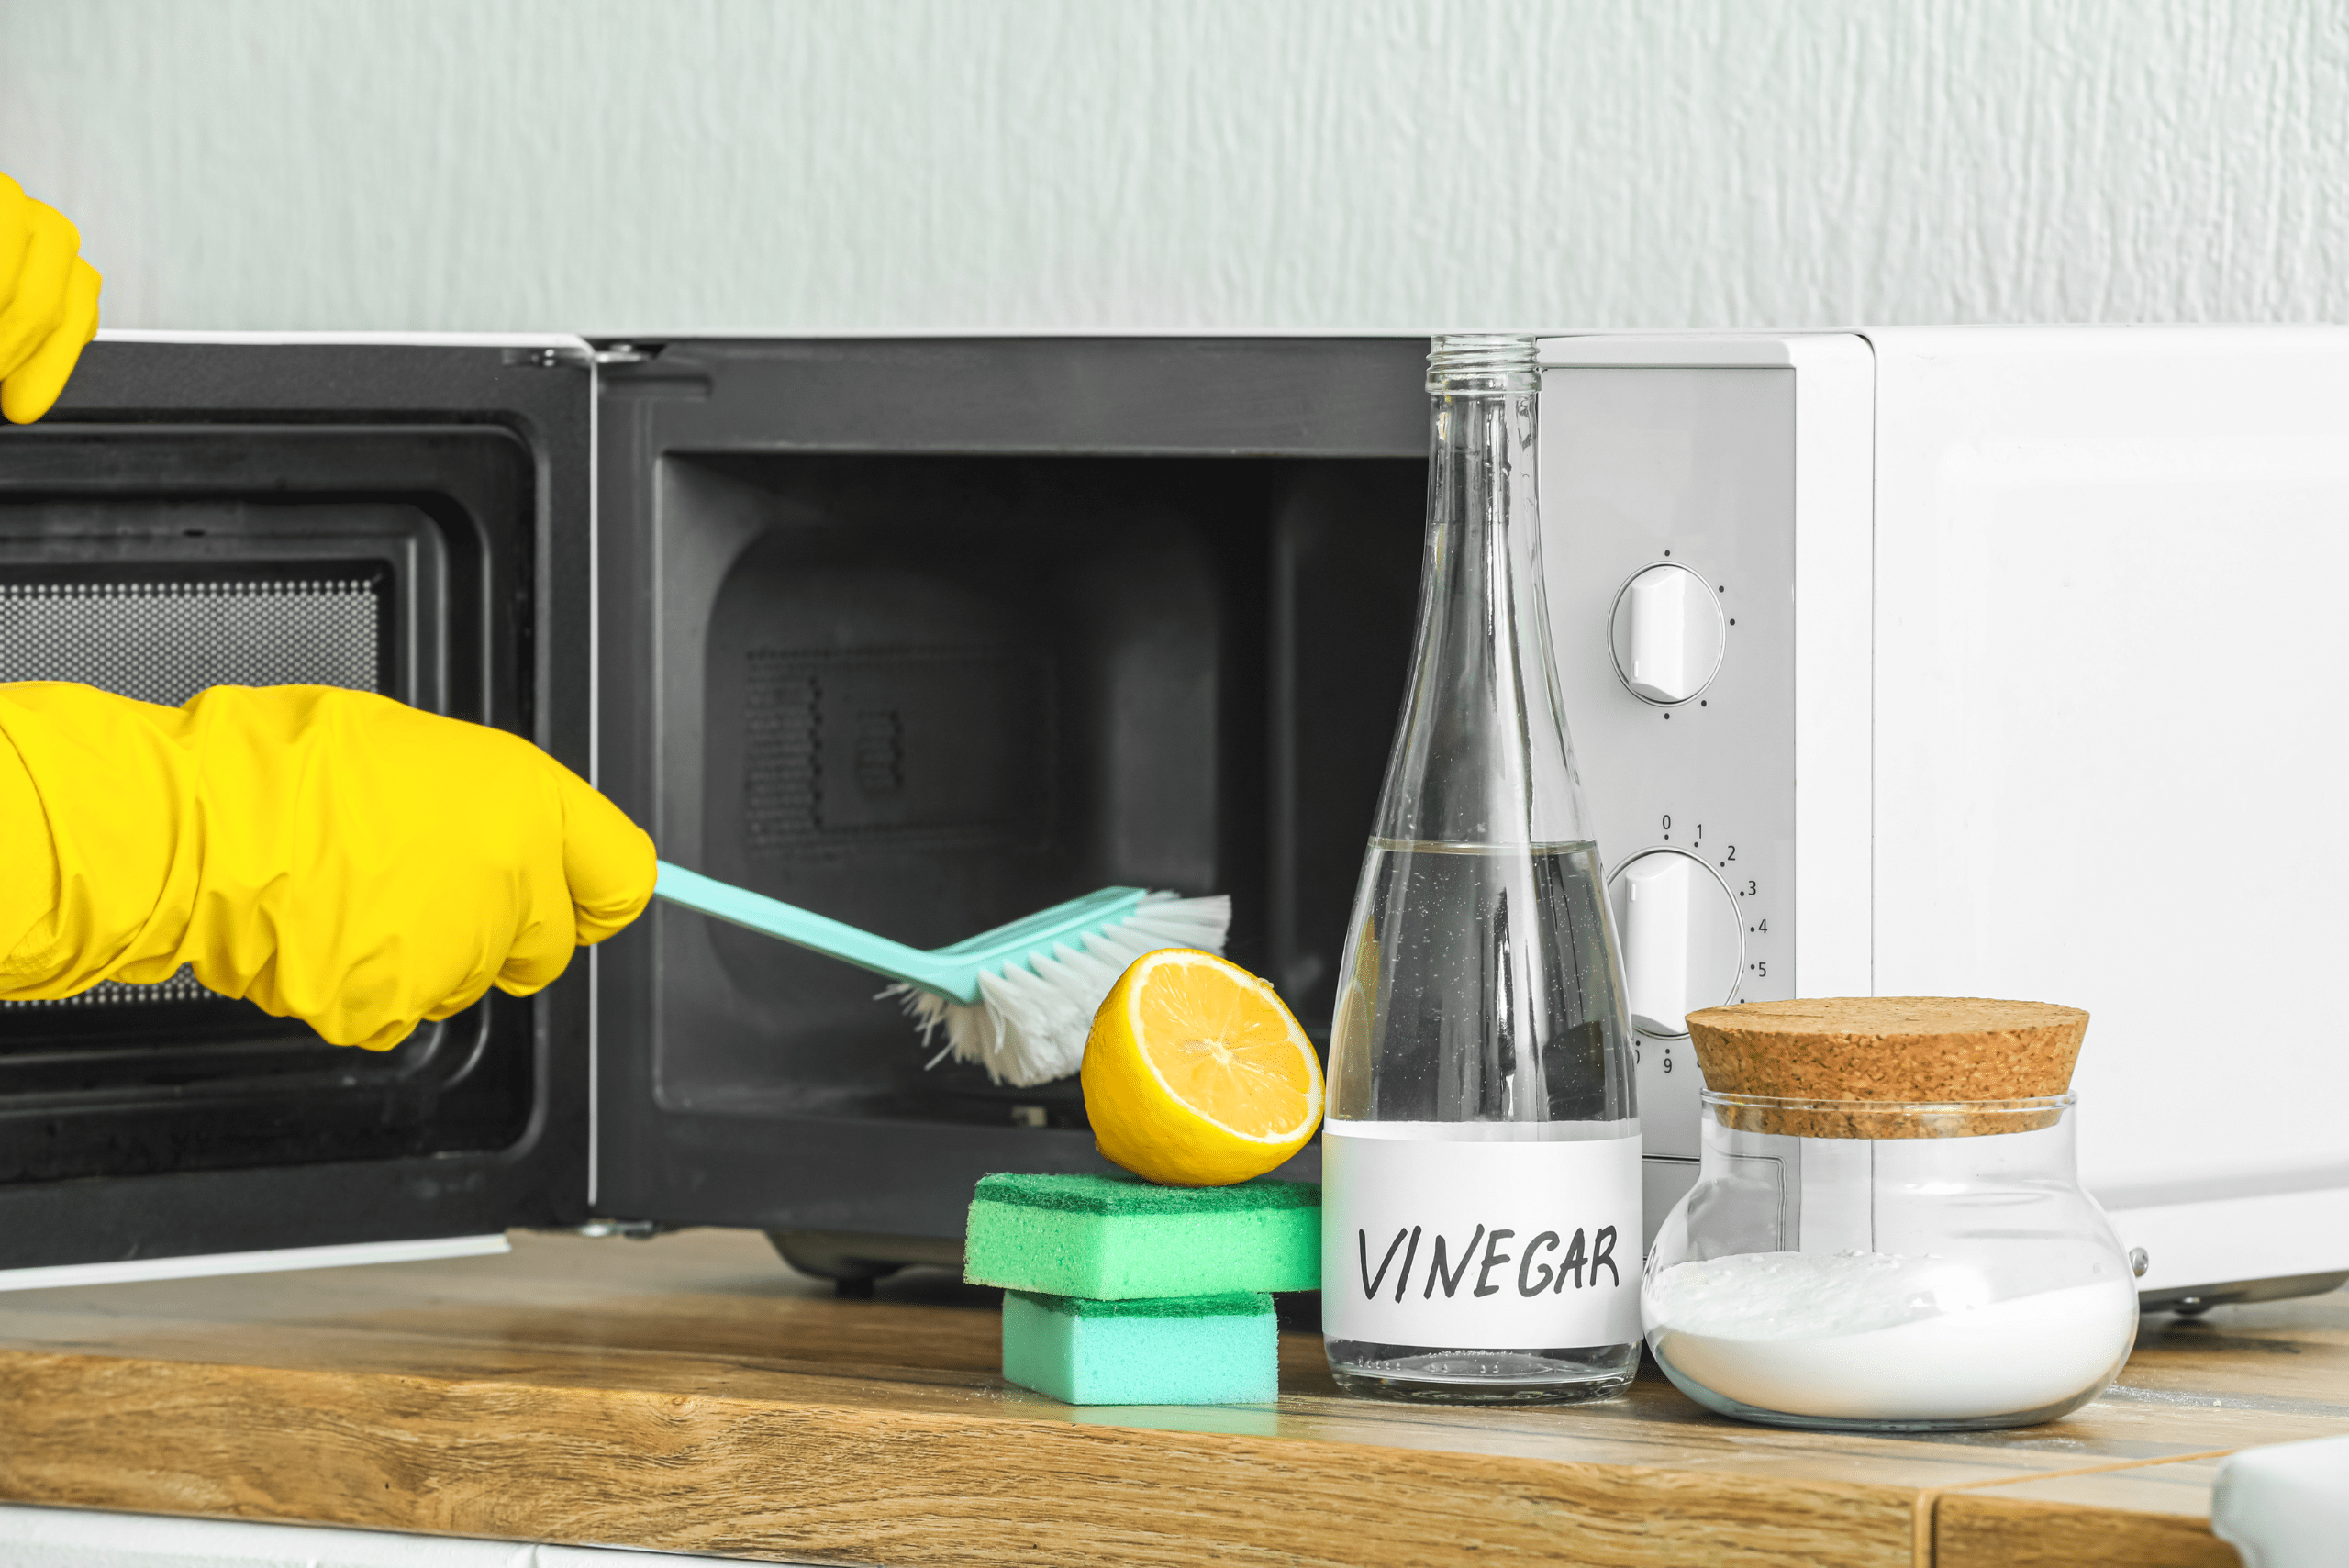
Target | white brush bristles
(1029,1024)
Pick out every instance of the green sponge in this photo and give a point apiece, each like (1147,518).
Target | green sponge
(1193,1350)
(1121,1238)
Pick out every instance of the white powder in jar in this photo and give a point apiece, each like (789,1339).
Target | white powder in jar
(1874,1336)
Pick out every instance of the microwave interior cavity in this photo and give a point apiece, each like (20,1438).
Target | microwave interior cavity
(927,694)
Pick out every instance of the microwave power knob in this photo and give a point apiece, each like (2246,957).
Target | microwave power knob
(1668,634)
(1682,947)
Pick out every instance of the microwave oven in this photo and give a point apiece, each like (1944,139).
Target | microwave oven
(923,634)
(1990,662)
(1902,661)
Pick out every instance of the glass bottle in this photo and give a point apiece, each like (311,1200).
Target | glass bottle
(1481,1224)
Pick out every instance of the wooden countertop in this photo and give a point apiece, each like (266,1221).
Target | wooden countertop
(689,1394)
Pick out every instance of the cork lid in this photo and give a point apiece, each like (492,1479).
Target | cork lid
(1904,1050)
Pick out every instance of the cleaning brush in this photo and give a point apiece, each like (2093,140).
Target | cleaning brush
(1019,1000)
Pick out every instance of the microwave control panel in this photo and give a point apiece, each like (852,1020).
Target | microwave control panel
(1667,537)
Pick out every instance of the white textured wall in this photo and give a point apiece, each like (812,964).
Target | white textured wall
(893,164)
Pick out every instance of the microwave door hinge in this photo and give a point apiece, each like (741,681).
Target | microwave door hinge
(566,356)
(641,370)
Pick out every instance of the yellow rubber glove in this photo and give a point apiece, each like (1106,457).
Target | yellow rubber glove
(49,303)
(333,856)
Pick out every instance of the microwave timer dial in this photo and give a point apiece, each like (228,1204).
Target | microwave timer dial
(1668,634)
(1684,948)
(1682,939)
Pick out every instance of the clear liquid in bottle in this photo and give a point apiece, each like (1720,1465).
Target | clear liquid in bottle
(1481,1157)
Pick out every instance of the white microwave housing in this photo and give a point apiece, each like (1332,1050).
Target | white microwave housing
(2026,680)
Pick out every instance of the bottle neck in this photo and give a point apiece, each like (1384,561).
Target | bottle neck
(1482,756)
(1468,364)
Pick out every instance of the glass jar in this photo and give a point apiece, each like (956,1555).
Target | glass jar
(1480,1162)
(1876,1266)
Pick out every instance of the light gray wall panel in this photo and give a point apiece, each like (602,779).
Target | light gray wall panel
(807,165)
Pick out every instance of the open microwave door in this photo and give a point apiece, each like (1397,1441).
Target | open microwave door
(407,515)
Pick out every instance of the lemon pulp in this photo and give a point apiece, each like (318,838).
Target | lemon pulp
(1196,1074)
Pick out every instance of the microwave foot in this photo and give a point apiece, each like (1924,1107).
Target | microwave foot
(852,1260)
(2195,1300)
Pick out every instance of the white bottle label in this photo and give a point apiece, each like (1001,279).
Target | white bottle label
(1441,1234)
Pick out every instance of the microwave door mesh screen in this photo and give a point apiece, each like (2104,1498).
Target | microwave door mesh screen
(162,640)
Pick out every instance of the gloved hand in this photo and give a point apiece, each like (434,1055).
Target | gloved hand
(330,855)
(49,303)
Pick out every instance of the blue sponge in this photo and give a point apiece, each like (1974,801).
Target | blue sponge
(1191,1350)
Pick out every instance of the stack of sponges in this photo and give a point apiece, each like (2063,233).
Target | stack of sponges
(1118,1291)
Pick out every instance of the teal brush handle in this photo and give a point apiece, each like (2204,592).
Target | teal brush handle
(953,973)
(804,928)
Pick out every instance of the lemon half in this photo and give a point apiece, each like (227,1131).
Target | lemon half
(1196,1075)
